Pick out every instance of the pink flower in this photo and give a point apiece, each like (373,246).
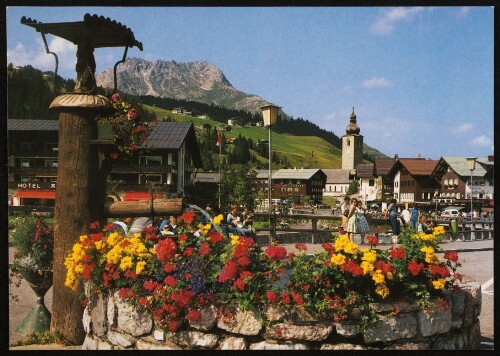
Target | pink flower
(115,97)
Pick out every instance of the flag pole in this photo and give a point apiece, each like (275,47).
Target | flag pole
(219,142)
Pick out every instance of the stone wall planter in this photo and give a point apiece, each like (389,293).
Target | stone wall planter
(112,324)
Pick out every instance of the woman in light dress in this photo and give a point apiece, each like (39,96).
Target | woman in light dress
(352,226)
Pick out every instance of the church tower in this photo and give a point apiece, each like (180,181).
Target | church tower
(352,145)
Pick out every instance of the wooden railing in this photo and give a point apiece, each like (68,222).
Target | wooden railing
(466,230)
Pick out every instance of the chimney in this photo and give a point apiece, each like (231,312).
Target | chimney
(396,156)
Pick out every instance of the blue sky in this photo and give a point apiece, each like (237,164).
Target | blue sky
(420,78)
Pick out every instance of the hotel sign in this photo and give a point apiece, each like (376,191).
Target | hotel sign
(32,185)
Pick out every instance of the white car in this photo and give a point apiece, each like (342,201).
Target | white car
(450,213)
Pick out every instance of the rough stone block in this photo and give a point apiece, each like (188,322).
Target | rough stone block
(111,311)
(207,321)
(191,339)
(445,342)
(149,343)
(104,345)
(264,345)
(87,320)
(159,335)
(402,326)
(233,343)
(98,316)
(390,306)
(276,313)
(474,337)
(300,315)
(243,322)
(457,309)
(342,346)
(434,322)
(132,320)
(90,343)
(120,339)
(422,345)
(472,308)
(284,331)
(346,329)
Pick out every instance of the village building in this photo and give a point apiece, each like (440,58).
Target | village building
(454,176)
(337,182)
(168,159)
(413,181)
(369,185)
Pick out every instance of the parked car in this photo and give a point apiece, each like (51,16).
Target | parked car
(450,213)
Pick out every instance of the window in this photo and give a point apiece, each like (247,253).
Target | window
(25,163)
(348,142)
(371,182)
(51,163)
(423,195)
(445,182)
(456,181)
(51,146)
(150,160)
(295,189)
(145,178)
(458,195)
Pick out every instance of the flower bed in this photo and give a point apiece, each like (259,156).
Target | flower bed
(190,283)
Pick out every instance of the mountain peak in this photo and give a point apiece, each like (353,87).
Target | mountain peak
(197,80)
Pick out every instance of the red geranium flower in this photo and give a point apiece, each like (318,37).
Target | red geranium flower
(240,250)
(126,293)
(204,249)
(170,281)
(329,247)
(188,217)
(415,267)
(169,267)
(183,237)
(130,274)
(384,266)
(188,252)
(397,253)
(228,271)
(215,237)
(166,249)
(239,284)
(372,240)
(301,247)
(285,297)
(297,298)
(451,255)
(194,315)
(87,270)
(439,270)
(272,297)
(244,261)
(94,225)
(276,253)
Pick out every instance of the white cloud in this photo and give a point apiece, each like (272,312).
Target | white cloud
(376,82)
(482,140)
(465,127)
(384,25)
(37,57)
(464,11)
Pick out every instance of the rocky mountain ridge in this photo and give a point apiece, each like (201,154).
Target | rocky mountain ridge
(197,81)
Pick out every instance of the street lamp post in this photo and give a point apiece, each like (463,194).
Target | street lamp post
(270,114)
(436,194)
(471,163)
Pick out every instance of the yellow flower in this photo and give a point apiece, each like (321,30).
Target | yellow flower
(351,248)
(378,277)
(427,250)
(389,275)
(369,256)
(218,219)
(113,239)
(234,239)
(341,242)
(367,267)
(439,284)
(139,267)
(83,238)
(99,244)
(382,290)
(126,263)
(439,230)
(338,259)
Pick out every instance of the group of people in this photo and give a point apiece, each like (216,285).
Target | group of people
(354,218)
(239,222)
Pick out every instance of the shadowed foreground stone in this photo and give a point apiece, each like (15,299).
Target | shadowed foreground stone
(264,345)
(233,343)
(284,331)
(403,326)
(243,322)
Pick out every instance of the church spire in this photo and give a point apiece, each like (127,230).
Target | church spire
(352,128)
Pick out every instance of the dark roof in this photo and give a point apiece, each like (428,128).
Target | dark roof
(364,170)
(169,135)
(383,165)
(32,125)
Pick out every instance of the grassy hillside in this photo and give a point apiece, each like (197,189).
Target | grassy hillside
(301,151)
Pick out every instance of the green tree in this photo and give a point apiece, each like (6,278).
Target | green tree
(353,187)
